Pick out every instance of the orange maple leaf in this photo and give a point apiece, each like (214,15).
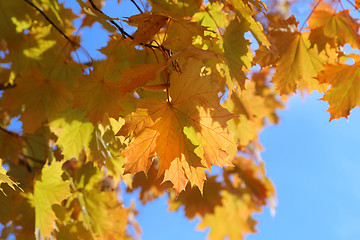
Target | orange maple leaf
(40,97)
(341,27)
(99,96)
(345,86)
(188,134)
(148,25)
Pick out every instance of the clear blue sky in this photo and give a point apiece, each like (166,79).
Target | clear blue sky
(314,164)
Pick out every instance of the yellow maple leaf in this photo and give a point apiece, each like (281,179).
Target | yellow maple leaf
(245,12)
(344,92)
(73,130)
(5,179)
(236,50)
(236,211)
(298,66)
(50,190)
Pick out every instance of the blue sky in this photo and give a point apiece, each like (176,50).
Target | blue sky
(313,163)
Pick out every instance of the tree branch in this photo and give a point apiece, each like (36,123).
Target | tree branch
(51,22)
(122,31)
(125,34)
(9,132)
(3,86)
(137,6)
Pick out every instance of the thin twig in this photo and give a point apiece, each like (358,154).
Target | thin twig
(51,22)
(137,6)
(317,4)
(126,35)
(122,31)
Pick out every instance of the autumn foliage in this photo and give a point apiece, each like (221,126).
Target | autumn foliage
(188,86)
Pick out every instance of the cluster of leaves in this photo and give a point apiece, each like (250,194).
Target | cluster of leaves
(186,91)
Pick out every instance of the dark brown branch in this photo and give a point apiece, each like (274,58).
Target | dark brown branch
(51,22)
(9,132)
(137,6)
(8,86)
(122,31)
(125,34)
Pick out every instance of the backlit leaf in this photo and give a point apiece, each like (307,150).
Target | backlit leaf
(5,179)
(188,135)
(50,190)
(341,27)
(73,130)
(345,86)
(298,67)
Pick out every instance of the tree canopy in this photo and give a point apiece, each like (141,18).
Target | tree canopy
(181,87)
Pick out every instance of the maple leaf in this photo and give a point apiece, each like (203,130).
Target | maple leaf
(245,123)
(188,134)
(73,130)
(344,92)
(255,27)
(151,186)
(235,210)
(298,67)
(212,17)
(73,231)
(148,25)
(341,27)
(103,213)
(174,7)
(101,206)
(100,97)
(236,50)
(28,49)
(50,190)
(5,179)
(249,176)
(195,203)
(140,75)
(181,33)
(16,17)
(40,98)
(11,145)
